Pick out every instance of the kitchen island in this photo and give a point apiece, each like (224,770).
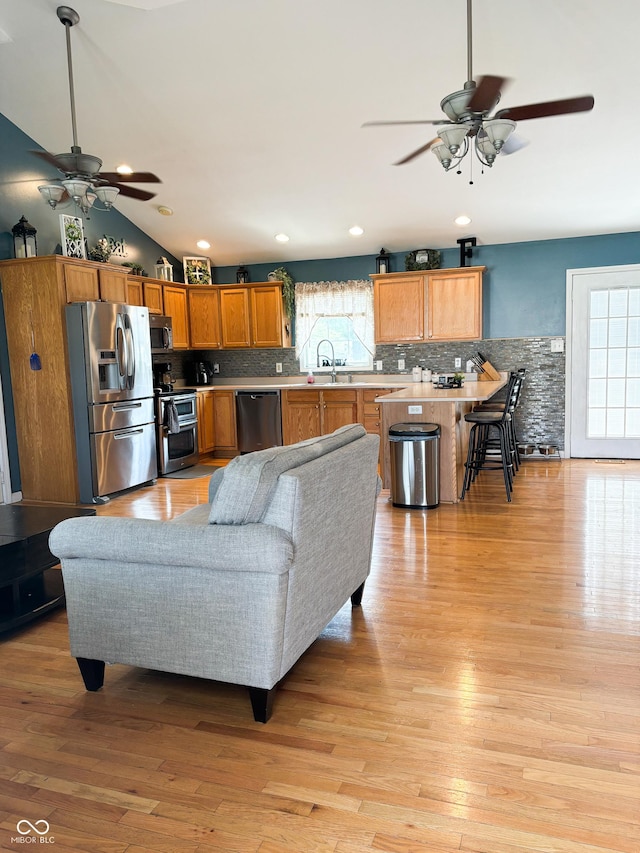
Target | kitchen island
(421,402)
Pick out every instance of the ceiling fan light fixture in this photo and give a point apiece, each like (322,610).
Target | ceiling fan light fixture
(51,193)
(485,150)
(107,195)
(453,136)
(498,131)
(443,154)
(76,188)
(89,199)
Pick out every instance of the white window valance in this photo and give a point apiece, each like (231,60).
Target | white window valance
(350,299)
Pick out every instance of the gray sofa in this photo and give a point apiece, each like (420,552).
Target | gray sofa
(234,590)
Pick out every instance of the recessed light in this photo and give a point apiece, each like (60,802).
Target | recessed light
(356,231)
(164,211)
(202,244)
(462,220)
(124,169)
(282,238)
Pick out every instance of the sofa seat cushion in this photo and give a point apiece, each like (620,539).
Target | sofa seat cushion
(243,494)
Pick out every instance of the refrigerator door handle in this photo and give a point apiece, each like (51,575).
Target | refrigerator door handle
(121,351)
(131,357)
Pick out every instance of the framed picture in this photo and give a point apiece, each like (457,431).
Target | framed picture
(197,270)
(72,236)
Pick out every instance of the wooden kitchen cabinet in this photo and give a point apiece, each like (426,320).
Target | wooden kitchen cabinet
(234,317)
(432,305)
(224,419)
(372,414)
(113,284)
(252,315)
(307,413)
(205,402)
(204,317)
(398,307)
(153,296)
(81,282)
(34,295)
(175,306)
(266,315)
(454,304)
(135,294)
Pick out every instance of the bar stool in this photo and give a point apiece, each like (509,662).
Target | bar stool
(492,430)
(498,406)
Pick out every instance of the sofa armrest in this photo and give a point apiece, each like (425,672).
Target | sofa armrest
(243,548)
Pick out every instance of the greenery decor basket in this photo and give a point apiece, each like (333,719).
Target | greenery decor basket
(422,259)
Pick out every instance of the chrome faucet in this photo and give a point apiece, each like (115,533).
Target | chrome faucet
(334,378)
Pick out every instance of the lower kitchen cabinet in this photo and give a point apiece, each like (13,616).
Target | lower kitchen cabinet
(307,413)
(206,421)
(224,419)
(372,415)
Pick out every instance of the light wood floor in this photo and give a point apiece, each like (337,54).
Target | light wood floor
(485,698)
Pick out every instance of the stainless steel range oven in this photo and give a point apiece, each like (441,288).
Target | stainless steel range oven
(177,430)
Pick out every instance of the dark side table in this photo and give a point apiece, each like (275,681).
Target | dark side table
(29,585)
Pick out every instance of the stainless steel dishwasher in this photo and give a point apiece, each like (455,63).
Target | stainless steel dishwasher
(259,420)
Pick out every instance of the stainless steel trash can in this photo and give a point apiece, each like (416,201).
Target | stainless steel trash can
(415,465)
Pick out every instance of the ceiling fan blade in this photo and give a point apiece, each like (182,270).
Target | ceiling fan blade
(419,121)
(51,159)
(550,108)
(514,143)
(134,178)
(132,192)
(486,94)
(418,152)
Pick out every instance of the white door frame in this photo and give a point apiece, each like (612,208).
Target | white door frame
(571,274)
(5,474)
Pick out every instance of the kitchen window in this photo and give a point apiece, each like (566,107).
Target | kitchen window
(340,312)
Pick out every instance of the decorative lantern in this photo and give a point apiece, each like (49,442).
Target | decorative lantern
(242,275)
(164,270)
(24,239)
(382,262)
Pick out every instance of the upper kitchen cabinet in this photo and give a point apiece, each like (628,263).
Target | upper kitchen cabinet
(234,317)
(204,317)
(266,315)
(153,296)
(434,305)
(398,306)
(175,306)
(113,284)
(252,315)
(454,304)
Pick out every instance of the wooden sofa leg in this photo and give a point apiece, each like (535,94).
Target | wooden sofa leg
(262,703)
(356,598)
(92,672)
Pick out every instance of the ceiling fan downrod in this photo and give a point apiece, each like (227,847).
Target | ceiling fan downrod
(69,18)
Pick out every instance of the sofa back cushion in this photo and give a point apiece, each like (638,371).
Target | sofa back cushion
(243,495)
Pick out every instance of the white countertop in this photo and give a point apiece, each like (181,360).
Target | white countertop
(425,392)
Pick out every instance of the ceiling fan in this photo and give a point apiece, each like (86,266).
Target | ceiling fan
(83,181)
(469,121)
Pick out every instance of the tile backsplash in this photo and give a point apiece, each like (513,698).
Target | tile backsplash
(540,415)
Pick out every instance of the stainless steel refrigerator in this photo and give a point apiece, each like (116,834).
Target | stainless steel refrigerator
(112,388)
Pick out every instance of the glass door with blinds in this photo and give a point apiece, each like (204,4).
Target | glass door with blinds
(603,378)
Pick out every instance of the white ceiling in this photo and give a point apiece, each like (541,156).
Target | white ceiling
(251,110)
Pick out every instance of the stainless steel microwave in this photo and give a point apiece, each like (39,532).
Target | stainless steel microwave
(161,329)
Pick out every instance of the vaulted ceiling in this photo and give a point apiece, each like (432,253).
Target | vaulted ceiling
(251,112)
